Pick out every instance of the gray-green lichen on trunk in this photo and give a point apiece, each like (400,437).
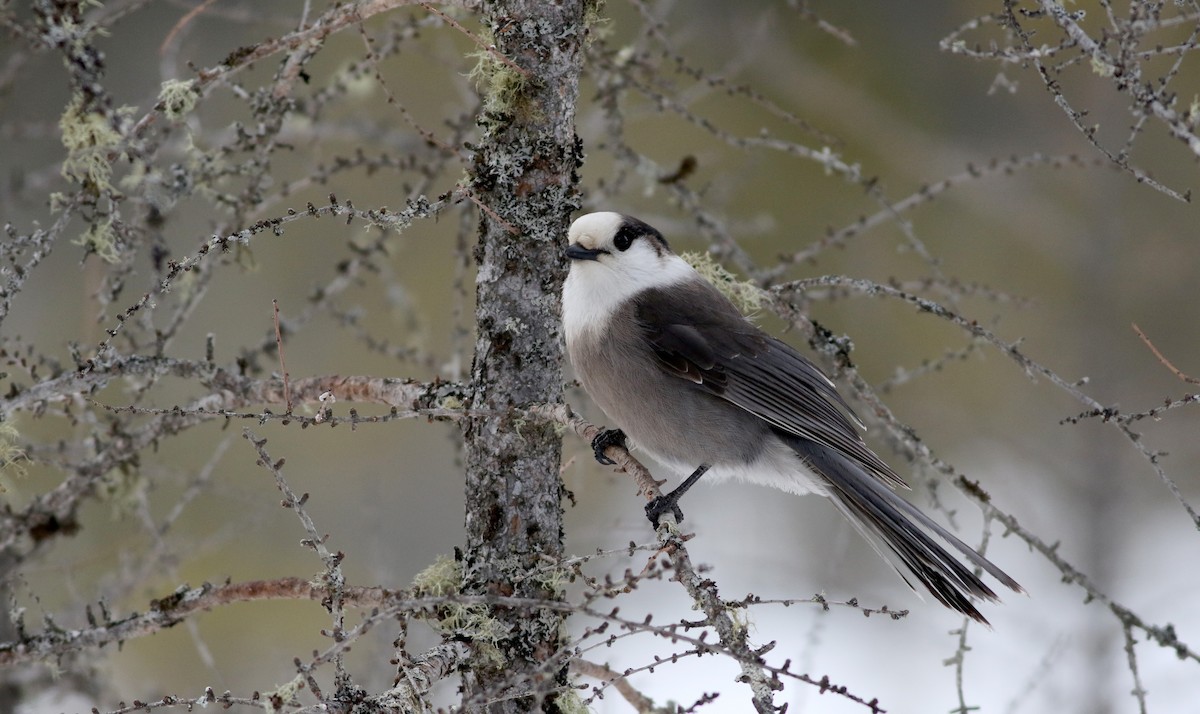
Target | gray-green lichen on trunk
(525,174)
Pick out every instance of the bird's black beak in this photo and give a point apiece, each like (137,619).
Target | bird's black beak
(577,252)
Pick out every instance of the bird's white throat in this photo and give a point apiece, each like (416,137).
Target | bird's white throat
(595,289)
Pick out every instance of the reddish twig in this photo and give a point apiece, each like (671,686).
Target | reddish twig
(491,213)
(183,21)
(486,47)
(1165,362)
(287,394)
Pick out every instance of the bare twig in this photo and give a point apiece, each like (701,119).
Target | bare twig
(1165,362)
(183,21)
(639,701)
(287,395)
(485,46)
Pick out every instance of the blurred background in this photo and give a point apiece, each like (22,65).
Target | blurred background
(1057,251)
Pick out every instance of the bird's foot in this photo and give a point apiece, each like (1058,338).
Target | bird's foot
(662,505)
(670,502)
(605,439)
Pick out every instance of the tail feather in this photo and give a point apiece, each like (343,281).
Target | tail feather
(900,533)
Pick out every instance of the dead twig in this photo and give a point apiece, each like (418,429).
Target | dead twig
(1165,362)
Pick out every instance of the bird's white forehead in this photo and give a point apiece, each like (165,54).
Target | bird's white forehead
(595,229)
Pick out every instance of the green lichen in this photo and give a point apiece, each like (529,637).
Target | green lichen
(1102,67)
(177,98)
(13,459)
(283,693)
(101,238)
(514,326)
(451,403)
(597,24)
(58,201)
(203,165)
(502,86)
(136,179)
(442,578)
(518,424)
(360,85)
(92,145)
(124,490)
(744,294)
(553,580)
(474,622)
(738,618)
(505,89)
(569,703)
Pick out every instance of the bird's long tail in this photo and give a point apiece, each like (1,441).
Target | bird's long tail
(901,533)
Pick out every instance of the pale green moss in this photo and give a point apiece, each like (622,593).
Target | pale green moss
(553,580)
(124,490)
(90,140)
(475,623)
(737,616)
(451,403)
(503,88)
(101,238)
(284,692)
(185,285)
(58,201)
(1102,67)
(598,25)
(93,147)
(360,86)
(569,703)
(744,294)
(178,98)
(444,579)
(13,459)
(137,177)
(203,164)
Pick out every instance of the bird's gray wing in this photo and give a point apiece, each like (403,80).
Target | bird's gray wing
(699,336)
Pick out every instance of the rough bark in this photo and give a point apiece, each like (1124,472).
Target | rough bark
(525,177)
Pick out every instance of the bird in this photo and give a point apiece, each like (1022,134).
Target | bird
(704,391)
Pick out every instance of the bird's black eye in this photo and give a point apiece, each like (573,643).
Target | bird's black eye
(624,238)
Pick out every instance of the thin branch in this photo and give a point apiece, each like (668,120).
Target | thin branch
(595,670)
(485,46)
(183,21)
(1139,691)
(287,395)
(1165,362)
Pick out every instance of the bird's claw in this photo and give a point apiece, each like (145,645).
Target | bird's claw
(605,439)
(657,507)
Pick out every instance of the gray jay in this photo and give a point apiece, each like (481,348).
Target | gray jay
(701,389)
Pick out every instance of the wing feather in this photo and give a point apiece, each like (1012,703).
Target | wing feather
(699,336)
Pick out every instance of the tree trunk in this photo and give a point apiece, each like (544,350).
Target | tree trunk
(525,176)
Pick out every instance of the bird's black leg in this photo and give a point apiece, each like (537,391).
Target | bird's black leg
(670,502)
(605,439)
